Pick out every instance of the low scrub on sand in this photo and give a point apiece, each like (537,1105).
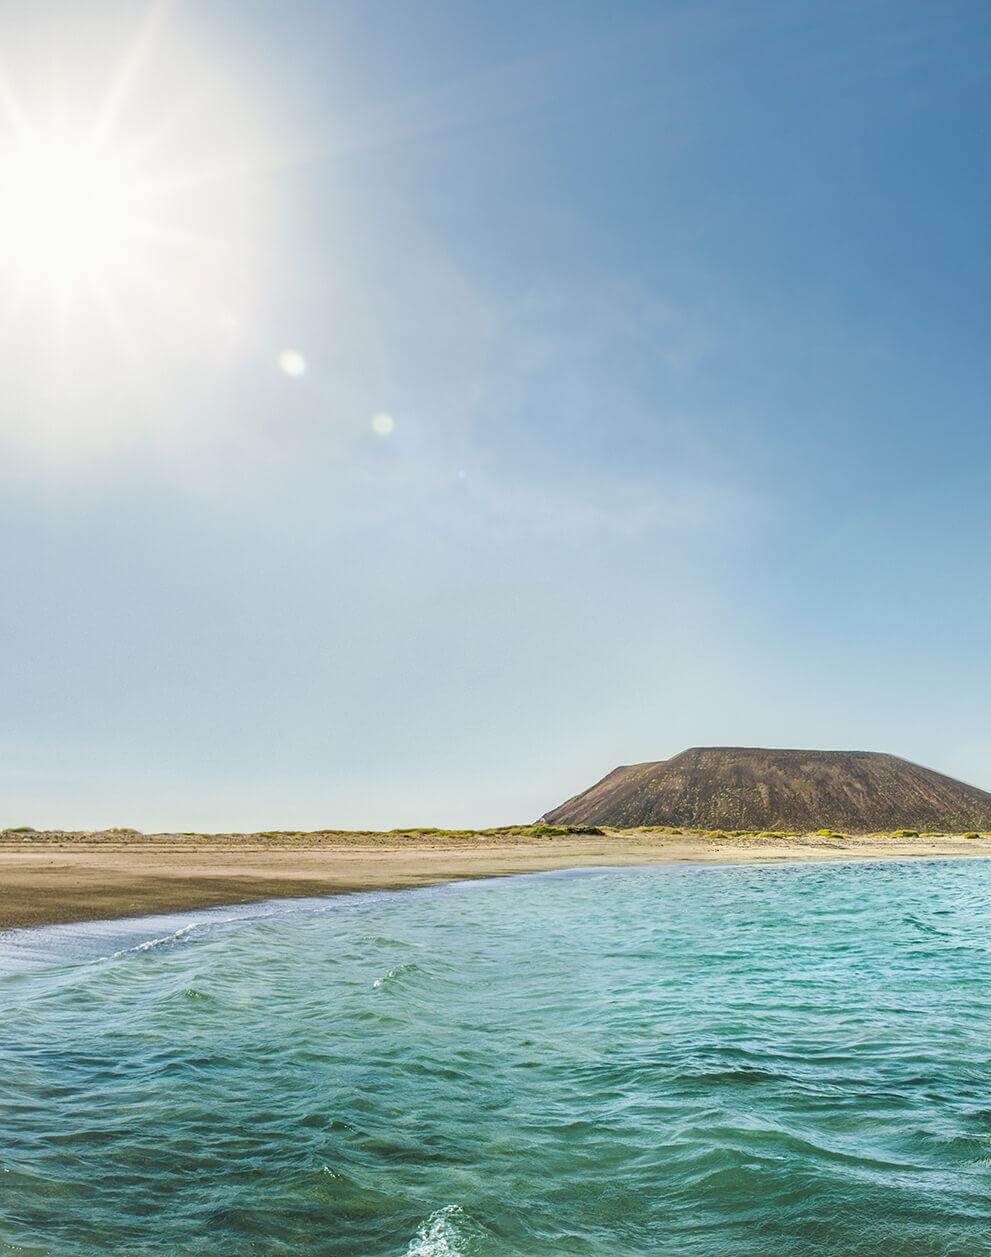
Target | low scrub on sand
(502,831)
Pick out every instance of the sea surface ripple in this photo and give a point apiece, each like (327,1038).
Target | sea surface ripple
(690,1060)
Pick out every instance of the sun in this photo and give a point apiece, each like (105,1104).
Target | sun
(69,210)
(124,159)
(141,175)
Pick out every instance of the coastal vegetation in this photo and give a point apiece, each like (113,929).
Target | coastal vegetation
(431,833)
(503,831)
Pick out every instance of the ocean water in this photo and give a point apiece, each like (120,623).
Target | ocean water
(690,1060)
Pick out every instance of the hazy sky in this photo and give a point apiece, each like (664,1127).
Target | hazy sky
(645,400)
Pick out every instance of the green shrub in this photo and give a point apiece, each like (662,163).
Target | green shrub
(905,833)
(972,835)
(502,831)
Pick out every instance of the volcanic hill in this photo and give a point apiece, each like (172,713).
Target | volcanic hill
(733,787)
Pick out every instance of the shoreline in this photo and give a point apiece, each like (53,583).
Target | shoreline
(60,878)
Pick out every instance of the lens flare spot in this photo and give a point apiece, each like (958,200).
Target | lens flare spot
(292,362)
(383,424)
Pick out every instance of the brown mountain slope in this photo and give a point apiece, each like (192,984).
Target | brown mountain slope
(729,787)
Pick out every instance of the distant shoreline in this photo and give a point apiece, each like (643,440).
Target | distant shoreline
(56,878)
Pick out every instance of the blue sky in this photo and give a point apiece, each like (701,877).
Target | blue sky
(679,313)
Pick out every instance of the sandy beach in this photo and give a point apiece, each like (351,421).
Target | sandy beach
(58,877)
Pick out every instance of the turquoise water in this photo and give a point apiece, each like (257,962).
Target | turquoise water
(680,1060)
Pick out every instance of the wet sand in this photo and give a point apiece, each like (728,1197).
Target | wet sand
(49,878)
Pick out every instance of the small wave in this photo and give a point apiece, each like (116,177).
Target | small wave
(206,922)
(926,927)
(743,1075)
(149,943)
(441,1235)
(396,971)
(191,993)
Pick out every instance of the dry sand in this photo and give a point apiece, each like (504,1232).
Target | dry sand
(47,878)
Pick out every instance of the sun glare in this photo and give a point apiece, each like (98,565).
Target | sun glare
(67,211)
(137,194)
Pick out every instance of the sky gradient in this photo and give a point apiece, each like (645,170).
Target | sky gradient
(644,406)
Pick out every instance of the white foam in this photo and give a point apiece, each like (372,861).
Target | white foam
(155,942)
(86,941)
(438,1236)
(393,973)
